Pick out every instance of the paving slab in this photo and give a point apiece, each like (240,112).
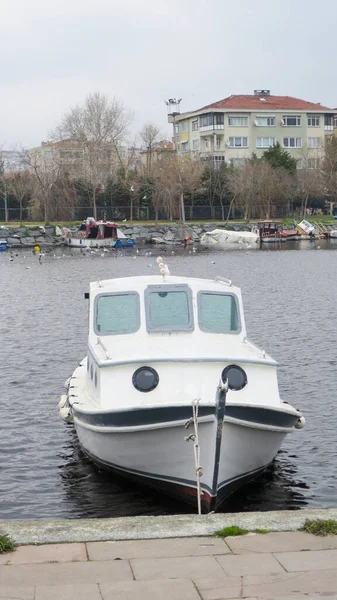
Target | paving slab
(67,592)
(308,561)
(157,548)
(289,584)
(44,554)
(218,588)
(174,589)
(280,542)
(67,573)
(250,564)
(16,592)
(183,567)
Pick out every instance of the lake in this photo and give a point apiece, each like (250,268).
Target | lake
(289,296)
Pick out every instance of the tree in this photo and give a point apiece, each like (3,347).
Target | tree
(277,157)
(99,127)
(45,172)
(21,186)
(149,134)
(329,171)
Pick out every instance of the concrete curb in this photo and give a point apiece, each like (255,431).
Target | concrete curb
(140,528)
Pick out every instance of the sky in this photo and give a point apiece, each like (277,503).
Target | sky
(52,54)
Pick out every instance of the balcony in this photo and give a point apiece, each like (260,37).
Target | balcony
(208,128)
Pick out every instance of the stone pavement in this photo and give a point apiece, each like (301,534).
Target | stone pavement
(294,565)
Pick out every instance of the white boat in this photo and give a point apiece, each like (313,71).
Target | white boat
(171,393)
(96,234)
(222,238)
(333,233)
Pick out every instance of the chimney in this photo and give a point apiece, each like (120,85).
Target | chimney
(261,92)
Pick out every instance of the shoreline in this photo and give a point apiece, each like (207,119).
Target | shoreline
(155,527)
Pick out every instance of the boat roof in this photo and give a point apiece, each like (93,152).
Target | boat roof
(142,281)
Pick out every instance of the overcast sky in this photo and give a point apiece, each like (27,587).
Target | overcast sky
(52,54)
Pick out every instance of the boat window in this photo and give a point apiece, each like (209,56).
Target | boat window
(218,313)
(169,308)
(117,313)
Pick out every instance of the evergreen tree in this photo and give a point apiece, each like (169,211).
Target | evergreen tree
(277,157)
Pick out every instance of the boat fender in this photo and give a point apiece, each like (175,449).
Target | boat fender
(300,423)
(66,414)
(67,383)
(62,401)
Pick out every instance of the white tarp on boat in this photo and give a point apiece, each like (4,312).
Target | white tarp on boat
(224,238)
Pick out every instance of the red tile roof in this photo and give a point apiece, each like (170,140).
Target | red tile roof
(250,102)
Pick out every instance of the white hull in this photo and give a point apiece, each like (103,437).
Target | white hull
(90,243)
(245,451)
(333,233)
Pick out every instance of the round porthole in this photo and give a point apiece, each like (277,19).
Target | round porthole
(145,379)
(237,377)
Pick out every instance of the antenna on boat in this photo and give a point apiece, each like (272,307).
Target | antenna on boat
(164,270)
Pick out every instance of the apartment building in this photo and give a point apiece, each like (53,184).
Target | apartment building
(234,128)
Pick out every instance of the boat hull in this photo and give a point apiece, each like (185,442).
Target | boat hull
(246,450)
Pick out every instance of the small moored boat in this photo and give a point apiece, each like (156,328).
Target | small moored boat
(171,393)
(222,238)
(96,234)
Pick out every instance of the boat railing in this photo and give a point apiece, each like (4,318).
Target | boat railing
(100,343)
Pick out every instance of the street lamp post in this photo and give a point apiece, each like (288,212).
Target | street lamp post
(173,109)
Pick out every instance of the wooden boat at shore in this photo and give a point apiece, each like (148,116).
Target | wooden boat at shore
(97,234)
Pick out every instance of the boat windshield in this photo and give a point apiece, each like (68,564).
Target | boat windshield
(117,313)
(169,308)
(218,313)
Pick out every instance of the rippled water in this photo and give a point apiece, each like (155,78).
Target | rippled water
(290,307)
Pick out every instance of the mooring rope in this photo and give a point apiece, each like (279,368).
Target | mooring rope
(199,471)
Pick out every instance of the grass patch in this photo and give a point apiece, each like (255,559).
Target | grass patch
(6,544)
(320,527)
(231,531)
(260,531)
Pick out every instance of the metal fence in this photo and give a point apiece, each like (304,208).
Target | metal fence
(122,213)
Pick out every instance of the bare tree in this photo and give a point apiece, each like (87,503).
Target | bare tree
(149,134)
(45,172)
(329,171)
(99,127)
(20,186)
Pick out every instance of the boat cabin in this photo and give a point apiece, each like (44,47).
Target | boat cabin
(269,228)
(98,230)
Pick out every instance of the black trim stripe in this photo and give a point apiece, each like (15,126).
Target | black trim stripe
(141,416)
(170,414)
(261,416)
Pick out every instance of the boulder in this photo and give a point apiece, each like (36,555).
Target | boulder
(33,233)
(14,241)
(28,241)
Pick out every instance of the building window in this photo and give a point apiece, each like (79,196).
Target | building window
(314,121)
(48,154)
(195,125)
(264,121)
(185,126)
(206,120)
(238,121)
(218,119)
(291,121)
(328,122)
(184,147)
(238,142)
(176,129)
(314,142)
(237,162)
(265,142)
(292,142)
(218,143)
(218,161)
(313,163)
(195,145)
